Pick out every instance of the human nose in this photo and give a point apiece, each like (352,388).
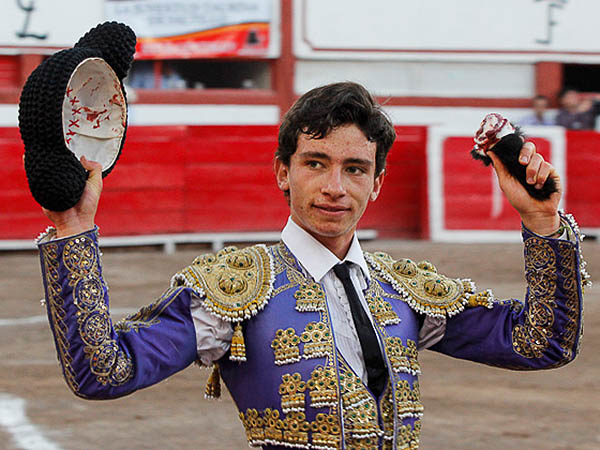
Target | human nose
(334,184)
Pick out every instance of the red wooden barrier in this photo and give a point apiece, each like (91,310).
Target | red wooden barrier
(583,171)
(208,178)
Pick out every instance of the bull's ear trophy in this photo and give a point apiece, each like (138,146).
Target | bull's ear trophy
(496,134)
(74,104)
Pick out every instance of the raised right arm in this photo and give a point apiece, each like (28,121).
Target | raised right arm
(101,360)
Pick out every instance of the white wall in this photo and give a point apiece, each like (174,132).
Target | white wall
(62,22)
(422,79)
(473,30)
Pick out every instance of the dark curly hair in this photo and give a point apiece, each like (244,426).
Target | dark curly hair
(325,108)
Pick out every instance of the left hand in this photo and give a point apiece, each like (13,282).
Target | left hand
(541,217)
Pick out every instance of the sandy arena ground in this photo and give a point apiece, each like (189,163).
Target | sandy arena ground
(467,406)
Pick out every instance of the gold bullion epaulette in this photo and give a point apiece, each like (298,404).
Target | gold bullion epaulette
(232,284)
(425,290)
(235,284)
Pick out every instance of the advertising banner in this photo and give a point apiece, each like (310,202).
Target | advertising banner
(197,28)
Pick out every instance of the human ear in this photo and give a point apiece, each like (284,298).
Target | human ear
(377,185)
(281,174)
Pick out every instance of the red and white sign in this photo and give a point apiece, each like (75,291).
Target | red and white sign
(465,201)
(198,28)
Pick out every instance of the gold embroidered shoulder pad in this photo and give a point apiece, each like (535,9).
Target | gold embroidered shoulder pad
(425,290)
(234,284)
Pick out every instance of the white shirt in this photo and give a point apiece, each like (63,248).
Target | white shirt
(213,335)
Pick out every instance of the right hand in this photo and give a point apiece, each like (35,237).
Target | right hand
(80,217)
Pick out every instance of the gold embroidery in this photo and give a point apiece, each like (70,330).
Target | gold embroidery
(236,284)
(292,393)
(291,430)
(108,362)
(273,426)
(387,414)
(57,313)
(423,288)
(530,339)
(408,437)
(285,347)
(572,303)
(326,432)
(360,409)
(147,315)
(323,387)
(408,402)
(295,430)
(403,359)
(310,297)
(382,311)
(317,339)
(254,426)
(405,267)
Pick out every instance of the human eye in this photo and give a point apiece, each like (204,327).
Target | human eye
(355,170)
(313,164)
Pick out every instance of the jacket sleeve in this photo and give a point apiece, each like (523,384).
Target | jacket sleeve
(99,359)
(543,332)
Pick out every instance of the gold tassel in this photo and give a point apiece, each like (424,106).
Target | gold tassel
(238,347)
(213,384)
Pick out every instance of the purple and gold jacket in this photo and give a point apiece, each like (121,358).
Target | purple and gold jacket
(292,387)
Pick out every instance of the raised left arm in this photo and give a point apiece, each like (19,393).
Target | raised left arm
(543,332)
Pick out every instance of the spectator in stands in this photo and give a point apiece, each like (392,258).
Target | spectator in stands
(576,113)
(141,75)
(171,78)
(540,115)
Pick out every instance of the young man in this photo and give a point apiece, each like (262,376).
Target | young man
(316,340)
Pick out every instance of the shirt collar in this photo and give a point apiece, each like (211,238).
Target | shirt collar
(314,256)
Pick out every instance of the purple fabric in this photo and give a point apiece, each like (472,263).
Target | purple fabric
(541,333)
(255,383)
(99,362)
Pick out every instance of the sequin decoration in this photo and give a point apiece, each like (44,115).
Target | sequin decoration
(292,392)
(108,362)
(285,347)
(148,315)
(322,387)
(326,432)
(360,409)
(254,425)
(317,339)
(404,359)
(573,331)
(269,427)
(425,291)
(310,297)
(530,339)
(408,437)
(56,312)
(382,311)
(235,284)
(408,402)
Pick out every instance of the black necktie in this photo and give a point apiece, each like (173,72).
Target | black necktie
(376,371)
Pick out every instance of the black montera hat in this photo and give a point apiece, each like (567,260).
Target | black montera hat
(73,105)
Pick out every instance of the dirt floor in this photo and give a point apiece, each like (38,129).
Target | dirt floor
(467,406)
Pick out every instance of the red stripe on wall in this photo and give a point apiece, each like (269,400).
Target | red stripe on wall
(208,178)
